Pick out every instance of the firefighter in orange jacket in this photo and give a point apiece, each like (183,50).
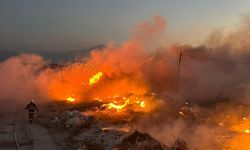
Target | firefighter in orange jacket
(31,107)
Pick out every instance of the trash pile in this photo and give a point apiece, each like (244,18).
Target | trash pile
(94,134)
(138,140)
(179,145)
(72,119)
(100,138)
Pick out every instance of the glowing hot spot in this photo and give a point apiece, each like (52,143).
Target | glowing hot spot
(70,99)
(117,107)
(141,103)
(247,131)
(95,78)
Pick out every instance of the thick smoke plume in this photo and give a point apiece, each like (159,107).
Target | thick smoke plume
(218,70)
(21,80)
(214,72)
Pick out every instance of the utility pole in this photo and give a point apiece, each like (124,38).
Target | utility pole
(178,72)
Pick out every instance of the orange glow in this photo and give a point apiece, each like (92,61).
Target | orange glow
(116,106)
(122,93)
(242,127)
(70,99)
(242,137)
(131,102)
(239,142)
(106,73)
(247,131)
(141,103)
(95,78)
(119,93)
(68,80)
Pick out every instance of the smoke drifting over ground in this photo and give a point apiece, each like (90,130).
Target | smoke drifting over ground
(215,71)
(20,80)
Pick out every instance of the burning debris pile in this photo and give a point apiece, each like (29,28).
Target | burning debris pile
(138,140)
(126,103)
(123,139)
(139,79)
(99,87)
(86,132)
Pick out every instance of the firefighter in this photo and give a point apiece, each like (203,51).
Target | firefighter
(31,107)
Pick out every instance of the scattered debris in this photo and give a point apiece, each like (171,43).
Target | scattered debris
(101,138)
(71,119)
(86,132)
(180,145)
(138,140)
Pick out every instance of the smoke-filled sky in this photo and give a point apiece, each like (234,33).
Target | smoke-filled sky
(60,25)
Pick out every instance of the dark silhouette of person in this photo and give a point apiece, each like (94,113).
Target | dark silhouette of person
(31,107)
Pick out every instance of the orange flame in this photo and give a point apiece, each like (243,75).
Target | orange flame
(247,131)
(242,126)
(115,106)
(130,103)
(70,99)
(95,78)
(242,135)
(141,103)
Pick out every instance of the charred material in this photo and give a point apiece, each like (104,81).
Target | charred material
(180,145)
(138,140)
(71,119)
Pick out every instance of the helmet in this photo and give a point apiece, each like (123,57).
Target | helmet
(32,101)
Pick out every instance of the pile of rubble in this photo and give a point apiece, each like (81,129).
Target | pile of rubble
(144,141)
(115,140)
(99,137)
(138,140)
(72,119)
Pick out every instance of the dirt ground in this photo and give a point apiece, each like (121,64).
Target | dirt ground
(28,137)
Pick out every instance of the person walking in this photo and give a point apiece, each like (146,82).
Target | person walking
(31,107)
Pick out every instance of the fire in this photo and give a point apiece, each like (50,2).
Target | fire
(239,142)
(95,78)
(70,99)
(241,137)
(120,92)
(247,131)
(130,102)
(141,103)
(114,105)
(242,126)
(70,79)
